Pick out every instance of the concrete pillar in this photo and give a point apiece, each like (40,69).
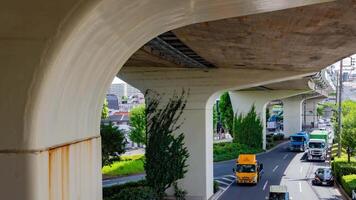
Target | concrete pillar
(198,132)
(242,102)
(292,111)
(70,171)
(311,105)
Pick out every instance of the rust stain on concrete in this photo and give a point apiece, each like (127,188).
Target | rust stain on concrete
(59,161)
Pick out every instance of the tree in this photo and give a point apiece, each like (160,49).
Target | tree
(138,125)
(105,110)
(166,155)
(227,114)
(113,143)
(215,117)
(268,114)
(348,139)
(248,129)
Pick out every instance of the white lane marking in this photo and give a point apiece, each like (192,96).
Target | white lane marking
(300,186)
(275,168)
(221,188)
(223,183)
(265,185)
(227,179)
(224,189)
(301,169)
(230,176)
(284,157)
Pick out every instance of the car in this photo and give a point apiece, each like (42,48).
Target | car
(279,135)
(323,176)
(278,192)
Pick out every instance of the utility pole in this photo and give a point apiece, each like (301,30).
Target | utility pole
(305,113)
(337,88)
(340,108)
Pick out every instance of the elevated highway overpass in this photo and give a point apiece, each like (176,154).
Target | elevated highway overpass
(59,57)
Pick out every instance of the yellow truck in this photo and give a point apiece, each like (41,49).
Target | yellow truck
(248,169)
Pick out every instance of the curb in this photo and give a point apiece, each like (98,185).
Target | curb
(216,195)
(257,154)
(342,191)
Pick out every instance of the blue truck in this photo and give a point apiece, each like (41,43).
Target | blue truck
(299,141)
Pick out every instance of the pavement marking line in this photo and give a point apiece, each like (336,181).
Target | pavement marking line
(221,188)
(284,157)
(300,186)
(227,179)
(221,182)
(230,176)
(265,185)
(275,168)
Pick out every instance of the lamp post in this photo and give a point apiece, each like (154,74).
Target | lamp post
(340,109)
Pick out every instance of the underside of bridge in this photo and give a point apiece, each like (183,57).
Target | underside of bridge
(59,57)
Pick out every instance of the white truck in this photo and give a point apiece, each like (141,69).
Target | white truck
(317,149)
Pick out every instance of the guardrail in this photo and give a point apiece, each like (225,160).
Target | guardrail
(353,194)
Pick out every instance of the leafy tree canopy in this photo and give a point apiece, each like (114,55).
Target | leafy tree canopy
(113,143)
(166,154)
(138,124)
(227,114)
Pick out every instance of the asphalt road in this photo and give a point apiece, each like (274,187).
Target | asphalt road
(281,167)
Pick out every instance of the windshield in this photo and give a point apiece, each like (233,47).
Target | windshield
(297,139)
(245,168)
(316,145)
(277,196)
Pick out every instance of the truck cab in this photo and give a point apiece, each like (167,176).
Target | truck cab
(248,169)
(299,141)
(317,149)
(278,192)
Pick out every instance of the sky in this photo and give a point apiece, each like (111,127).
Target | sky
(117,80)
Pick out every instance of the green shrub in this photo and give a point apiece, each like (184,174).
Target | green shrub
(343,168)
(115,189)
(216,186)
(348,182)
(248,129)
(137,193)
(228,151)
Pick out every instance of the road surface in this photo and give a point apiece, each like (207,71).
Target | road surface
(281,167)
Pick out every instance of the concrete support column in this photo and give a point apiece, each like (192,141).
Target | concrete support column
(311,111)
(292,111)
(242,102)
(198,132)
(71,172)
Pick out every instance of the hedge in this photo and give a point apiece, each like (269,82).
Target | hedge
(115,189)
(348,182)
(343,168)
(228,151)
(137,193)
